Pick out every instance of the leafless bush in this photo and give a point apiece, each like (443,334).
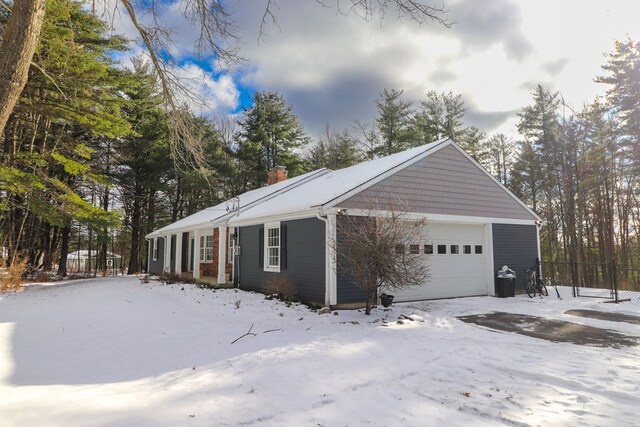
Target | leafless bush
(373,248)
(282,286)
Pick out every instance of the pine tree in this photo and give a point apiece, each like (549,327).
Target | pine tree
(394,123)
(270,135)
(440,117)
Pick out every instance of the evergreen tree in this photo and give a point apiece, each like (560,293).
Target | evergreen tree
(270,135)
(440,117)
(623,78)
(334,150)
(394,123)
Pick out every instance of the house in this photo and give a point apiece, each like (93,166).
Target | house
(83,261)
(474,227)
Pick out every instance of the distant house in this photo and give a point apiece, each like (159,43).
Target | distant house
(474,226)
(81,262)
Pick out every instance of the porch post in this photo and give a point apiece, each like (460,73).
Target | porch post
(222,254)
(166,267)
(179,254)
(196,254)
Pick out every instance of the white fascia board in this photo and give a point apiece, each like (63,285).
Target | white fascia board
(311,213)
(457,219)
(432,148)
(486,172)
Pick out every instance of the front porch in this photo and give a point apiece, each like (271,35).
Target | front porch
(205,255)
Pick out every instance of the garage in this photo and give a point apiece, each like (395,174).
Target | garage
(456,255)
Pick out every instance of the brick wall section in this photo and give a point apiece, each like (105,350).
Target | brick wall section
(211,269)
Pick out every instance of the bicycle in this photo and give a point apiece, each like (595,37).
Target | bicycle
(533,284)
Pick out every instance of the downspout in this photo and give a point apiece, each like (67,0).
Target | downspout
(327,261)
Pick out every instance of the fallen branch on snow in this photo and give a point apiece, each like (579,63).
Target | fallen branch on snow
(242,336)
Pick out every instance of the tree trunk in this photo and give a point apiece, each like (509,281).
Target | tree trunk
(16,52)
(136,217)
(64,251)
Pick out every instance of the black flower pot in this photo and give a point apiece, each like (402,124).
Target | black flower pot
(386,300)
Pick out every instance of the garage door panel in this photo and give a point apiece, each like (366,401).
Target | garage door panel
(452,274)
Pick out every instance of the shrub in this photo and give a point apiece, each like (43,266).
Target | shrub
(11,278)
(282,287)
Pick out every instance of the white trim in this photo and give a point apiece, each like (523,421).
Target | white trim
(178,259)
(488,250)
(267,266)
(443,217)
(222,254)
(166,267)
(486,172)
(431,148)
(196,254)
(332,264)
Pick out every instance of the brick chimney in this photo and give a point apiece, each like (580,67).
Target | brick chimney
(277,174)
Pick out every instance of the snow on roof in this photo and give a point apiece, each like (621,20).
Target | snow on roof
(330,186)
(218,213)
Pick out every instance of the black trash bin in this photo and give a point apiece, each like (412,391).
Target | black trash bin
(505,283)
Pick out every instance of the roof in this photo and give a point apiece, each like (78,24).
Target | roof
(312,193)
(218,214)
(332,187)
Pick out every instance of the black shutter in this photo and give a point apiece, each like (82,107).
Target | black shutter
(261,247)
(283,247)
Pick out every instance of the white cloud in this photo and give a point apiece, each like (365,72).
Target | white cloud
(219,95)
(331,67)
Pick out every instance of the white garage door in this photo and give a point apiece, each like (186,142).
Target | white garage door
(456,256)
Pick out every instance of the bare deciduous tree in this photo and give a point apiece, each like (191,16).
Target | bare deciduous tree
(376,251)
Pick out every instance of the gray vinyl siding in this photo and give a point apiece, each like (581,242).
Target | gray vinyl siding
(348,291)
(155,267)
(445,182)
(515,246)
(305,259)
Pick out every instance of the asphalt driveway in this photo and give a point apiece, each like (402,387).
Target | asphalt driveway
(552,330)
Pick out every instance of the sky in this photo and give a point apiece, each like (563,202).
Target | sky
(331,67)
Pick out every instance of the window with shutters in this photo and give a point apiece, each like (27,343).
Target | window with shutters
(272,244)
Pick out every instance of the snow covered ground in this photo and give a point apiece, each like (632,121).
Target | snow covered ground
(115,352)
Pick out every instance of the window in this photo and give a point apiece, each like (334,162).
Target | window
(399,249)
(466,249)
(478,249)
(455,249)
(109,263)
(428,249)
(155,248)
(414,249)
(272,247)
(206,248)
(230,246)
(442,249)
